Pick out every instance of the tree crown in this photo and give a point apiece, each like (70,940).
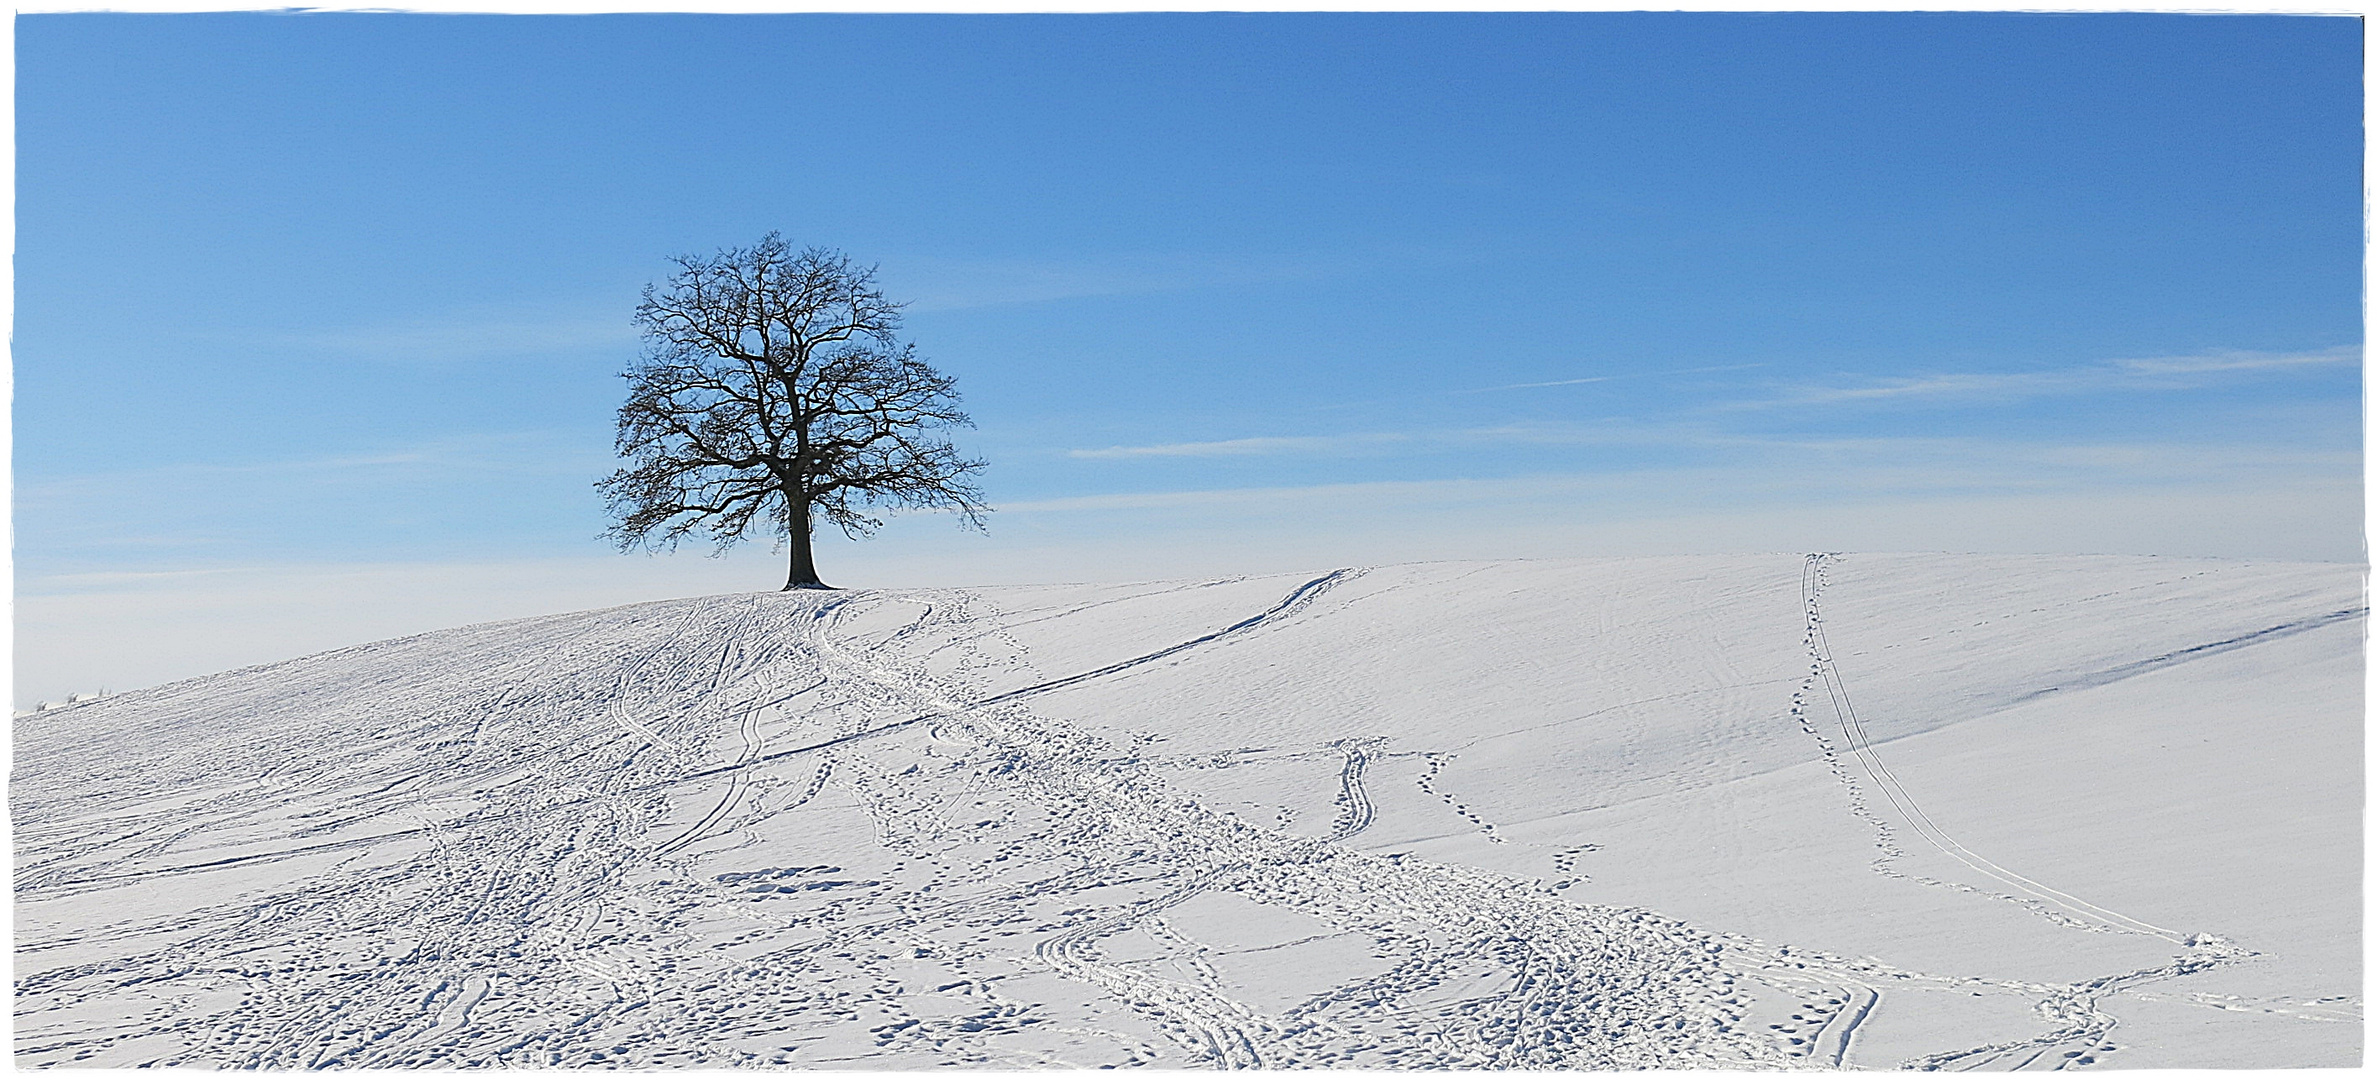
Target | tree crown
(774,388)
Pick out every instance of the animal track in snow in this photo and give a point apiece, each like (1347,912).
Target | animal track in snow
(1436,764)
(1564,865)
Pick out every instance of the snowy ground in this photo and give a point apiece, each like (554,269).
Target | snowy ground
(1756,811)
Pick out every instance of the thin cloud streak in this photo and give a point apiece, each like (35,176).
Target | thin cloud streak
(944,283)
(1607,378)
(1275,445)
(528,451)
(466,340)
(941,284)
(1967,385)
(1682,437)
(2170,372)
(1902,466)
(1251,447)
(2242,361)
(1533,385)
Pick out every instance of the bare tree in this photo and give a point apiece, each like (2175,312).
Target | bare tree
(774,391)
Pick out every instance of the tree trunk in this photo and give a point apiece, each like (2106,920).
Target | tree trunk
(804,564)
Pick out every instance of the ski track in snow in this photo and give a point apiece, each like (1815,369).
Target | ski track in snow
(569,855)
(2079,1024)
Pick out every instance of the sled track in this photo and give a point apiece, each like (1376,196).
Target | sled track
(1354,812)
(1831,1043)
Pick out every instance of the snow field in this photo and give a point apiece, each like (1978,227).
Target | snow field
(1751,812)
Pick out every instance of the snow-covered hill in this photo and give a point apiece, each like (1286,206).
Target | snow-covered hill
(1752,811)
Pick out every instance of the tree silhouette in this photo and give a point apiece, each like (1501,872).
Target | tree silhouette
(773,391)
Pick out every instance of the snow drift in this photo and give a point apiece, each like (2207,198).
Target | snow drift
(1759,811)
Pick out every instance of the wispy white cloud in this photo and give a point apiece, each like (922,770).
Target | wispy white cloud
(1597,433)
(1961,385)
(1770,469)
(2167,372)
(263,503)
(938,282)
(1250,447)
(1916,463)
(466,338)
(1322,445)
(517,451)
(1534,385)
(941,284)
(1606,378)
(2241,361)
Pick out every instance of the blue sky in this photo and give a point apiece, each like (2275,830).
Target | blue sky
(308,296)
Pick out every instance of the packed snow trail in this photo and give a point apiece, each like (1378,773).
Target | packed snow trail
(824,829)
